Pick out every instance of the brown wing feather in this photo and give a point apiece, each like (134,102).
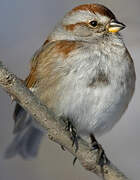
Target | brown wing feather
(48,69)
(30,81)
(45,58)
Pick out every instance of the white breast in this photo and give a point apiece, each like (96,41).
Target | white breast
(96,109)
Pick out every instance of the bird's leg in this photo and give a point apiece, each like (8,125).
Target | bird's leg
(72,130)
(102,159)
(73,134)
(74,137)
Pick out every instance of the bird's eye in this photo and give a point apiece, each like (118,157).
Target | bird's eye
(93,23)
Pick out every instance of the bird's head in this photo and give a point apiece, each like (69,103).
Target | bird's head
(87,22)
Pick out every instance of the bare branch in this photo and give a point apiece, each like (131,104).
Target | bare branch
(55,128)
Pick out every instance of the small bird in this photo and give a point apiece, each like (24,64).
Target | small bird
(83,72)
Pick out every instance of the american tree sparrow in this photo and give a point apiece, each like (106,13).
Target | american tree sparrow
(83,72)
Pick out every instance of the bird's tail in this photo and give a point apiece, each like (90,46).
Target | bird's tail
(27,136)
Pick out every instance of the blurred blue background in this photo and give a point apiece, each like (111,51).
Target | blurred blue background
(24,25)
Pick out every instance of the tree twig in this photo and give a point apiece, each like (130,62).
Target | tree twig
(55,128)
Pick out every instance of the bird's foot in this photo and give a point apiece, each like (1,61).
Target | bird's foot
(73,133)
(62,147)
(101,159)
(74,161)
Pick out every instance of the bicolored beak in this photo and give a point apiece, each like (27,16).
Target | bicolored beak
(115,26)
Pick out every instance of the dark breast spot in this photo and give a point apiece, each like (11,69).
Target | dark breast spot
(100,79)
